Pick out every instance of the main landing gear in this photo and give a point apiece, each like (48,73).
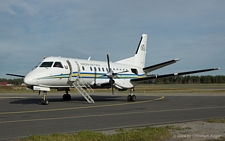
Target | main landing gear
(44,100)
(67,97)
(131,97)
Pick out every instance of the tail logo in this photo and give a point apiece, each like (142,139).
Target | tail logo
(142,47)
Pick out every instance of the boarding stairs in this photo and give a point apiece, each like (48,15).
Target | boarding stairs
(84,89)
(79,83)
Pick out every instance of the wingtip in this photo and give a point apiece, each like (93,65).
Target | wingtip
(178,59)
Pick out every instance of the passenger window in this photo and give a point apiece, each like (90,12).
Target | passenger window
(58,65)
(46,64)
(91,68)
(95,69)
(99,69)
(103,69)
(83,68)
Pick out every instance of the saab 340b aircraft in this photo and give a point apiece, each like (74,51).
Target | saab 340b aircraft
(64,73)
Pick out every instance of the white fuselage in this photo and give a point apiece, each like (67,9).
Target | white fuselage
(48,74)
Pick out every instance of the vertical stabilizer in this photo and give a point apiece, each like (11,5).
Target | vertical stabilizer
(139,58)
(141,52)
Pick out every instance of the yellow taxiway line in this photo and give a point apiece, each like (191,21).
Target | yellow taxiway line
(76,108)
(110,114)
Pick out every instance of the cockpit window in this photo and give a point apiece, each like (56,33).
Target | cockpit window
(58,65)
(46,64)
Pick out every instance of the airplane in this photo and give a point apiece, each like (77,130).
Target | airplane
(63,73)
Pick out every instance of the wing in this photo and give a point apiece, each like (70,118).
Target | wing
(16,75)
(158,66)
(138,80)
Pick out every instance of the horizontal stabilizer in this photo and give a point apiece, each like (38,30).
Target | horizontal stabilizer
(15,75)
(170,75)
(158,66)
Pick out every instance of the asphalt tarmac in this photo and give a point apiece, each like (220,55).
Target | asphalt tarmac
(21,115)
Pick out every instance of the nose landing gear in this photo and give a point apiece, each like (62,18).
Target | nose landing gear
(44,100)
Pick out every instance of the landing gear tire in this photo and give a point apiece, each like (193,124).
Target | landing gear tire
(66,97)
(44,102)
(131,98)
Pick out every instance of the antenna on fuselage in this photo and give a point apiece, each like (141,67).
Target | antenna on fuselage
(89,58)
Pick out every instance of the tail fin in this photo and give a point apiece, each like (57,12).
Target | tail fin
(139,58)
(141,52)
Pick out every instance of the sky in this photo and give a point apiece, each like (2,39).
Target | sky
(191,30)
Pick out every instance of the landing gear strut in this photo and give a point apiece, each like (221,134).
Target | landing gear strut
(66,97)
(44,100)
(131,97)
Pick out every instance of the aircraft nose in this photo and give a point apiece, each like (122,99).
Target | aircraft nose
(29,79)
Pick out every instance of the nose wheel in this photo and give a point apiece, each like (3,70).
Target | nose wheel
(44,100)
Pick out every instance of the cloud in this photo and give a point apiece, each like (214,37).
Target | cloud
(191,30)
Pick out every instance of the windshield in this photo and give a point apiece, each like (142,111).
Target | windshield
(46,64)
(58,65)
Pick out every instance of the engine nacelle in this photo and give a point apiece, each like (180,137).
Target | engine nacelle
(123,84)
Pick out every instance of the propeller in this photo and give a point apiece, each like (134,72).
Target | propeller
(110,74)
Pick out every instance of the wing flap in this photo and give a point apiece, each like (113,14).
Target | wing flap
(160,65)
(170,75)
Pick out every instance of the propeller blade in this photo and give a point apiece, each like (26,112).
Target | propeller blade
(112,91)
(110,73)
(112,82)
(108,62)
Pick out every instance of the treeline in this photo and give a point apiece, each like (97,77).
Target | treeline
(16,81)
(207,79)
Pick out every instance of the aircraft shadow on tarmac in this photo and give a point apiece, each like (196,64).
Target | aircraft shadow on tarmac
(80,99)
(26,101)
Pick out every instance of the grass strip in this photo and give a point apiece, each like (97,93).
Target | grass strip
(221,120)
(142,134)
